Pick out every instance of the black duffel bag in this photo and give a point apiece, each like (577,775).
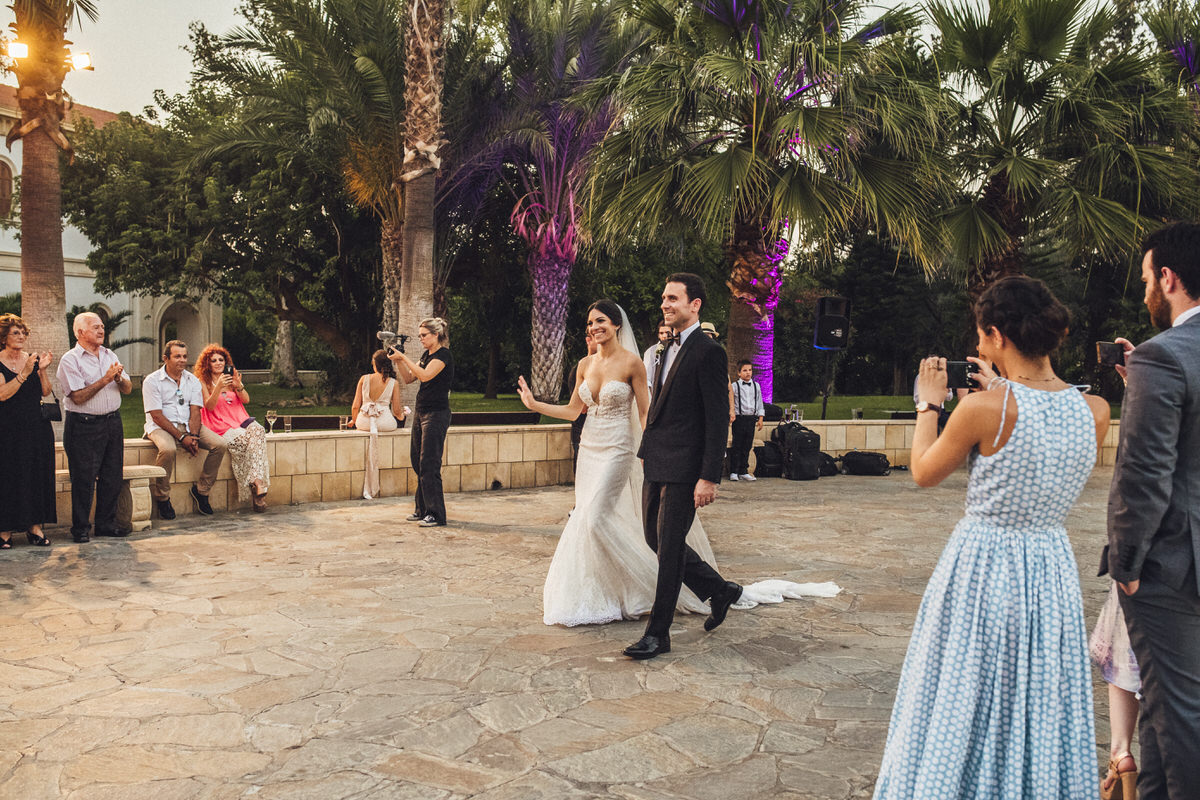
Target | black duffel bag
(793,437)
(863,462)
(768,461)
(829,466)
(803,465)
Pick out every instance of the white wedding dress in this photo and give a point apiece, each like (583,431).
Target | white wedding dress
(602,569)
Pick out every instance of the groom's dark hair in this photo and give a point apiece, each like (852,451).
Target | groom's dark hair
(1177,246)
(693,283)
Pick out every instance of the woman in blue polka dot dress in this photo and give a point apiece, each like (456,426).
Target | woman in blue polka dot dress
(995,697)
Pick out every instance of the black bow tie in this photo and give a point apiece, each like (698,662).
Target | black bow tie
(672,339)
(746,383)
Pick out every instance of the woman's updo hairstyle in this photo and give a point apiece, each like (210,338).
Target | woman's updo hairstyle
(438,327)
(609,309)
(383,364)
(1026,312)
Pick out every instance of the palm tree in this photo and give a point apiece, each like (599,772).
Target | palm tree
(424,50)
(542,146)
(1176,29)
(1056,145)
(42,25)
(317,72)
(759,122)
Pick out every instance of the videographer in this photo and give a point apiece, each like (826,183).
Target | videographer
(435,371)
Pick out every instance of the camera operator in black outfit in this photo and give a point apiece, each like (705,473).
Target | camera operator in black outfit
(435,371)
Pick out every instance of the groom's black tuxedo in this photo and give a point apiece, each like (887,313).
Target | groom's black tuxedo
(684,441)
(688,422)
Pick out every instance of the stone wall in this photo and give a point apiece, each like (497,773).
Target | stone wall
(315,466)
(893,438)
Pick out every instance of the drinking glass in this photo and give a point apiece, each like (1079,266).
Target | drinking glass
(271,416)
(287,424)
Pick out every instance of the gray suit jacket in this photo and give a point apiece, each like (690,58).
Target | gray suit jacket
(1154,503)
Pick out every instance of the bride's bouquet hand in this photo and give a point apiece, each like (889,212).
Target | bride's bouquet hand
(525,393)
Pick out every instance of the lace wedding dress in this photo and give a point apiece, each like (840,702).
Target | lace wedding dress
(603,570)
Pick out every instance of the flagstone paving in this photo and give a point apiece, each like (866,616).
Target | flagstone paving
(336,651)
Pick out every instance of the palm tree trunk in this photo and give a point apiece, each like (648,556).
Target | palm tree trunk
(416,288)
(43,286)
(550,277)
(754,286)
(391,245)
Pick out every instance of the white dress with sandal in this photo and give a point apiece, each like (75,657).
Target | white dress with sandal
(374,416)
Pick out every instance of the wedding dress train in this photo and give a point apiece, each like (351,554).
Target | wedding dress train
(602,569)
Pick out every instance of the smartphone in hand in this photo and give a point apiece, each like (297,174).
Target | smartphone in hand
(1110,354)
(960,375)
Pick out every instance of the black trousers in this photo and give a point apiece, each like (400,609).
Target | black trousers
(425,452)
(667,513)
(743,440)
(95,448)
(1164,629)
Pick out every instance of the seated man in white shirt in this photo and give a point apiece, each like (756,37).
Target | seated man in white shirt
(172,401)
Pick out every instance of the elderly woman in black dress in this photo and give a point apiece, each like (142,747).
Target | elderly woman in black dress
(28,439)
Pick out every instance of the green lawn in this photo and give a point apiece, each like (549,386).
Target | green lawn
(304,401)
(301,401)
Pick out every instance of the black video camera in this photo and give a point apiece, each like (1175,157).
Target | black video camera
(392,341)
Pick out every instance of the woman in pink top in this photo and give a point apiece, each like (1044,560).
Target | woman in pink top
(224,413)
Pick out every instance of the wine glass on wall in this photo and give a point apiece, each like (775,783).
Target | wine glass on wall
(271,416)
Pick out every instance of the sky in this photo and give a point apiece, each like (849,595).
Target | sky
(137,47)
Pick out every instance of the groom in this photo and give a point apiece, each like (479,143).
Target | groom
(683,450)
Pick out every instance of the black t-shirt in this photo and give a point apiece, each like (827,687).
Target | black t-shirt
(434,394)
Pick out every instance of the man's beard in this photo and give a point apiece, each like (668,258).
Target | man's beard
(1159,308)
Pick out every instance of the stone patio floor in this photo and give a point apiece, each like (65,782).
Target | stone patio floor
(336,651)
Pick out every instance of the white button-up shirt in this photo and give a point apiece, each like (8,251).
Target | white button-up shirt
(1185,316)
(747,399)
(160,392)
(79,369)
(673,350)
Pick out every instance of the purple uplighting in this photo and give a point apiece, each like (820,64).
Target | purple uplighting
(763,349)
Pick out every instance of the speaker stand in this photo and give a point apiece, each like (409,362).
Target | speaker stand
(828,383)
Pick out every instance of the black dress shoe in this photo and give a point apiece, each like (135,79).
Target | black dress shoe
(80,538)
(648,647)
(115,533)
(201,501)
(165,509)
(720,604)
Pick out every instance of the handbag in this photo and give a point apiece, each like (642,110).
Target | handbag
(52,411)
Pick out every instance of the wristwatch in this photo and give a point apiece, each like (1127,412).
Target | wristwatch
(926,406)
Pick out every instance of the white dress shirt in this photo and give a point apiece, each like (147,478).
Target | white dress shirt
(1185,316)
(160,392)
(673,350)
(747,399)
(79,369)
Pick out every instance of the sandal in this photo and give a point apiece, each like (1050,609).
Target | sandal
(1120,784)
(259,498)
(6,544)
(38,541)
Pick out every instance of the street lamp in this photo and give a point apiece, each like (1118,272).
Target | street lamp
(74,61)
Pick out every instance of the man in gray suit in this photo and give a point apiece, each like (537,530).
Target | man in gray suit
(1154,515)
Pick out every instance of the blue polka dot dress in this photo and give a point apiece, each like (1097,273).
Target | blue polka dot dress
(995,697)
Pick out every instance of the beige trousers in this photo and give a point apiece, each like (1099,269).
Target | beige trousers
(160,488)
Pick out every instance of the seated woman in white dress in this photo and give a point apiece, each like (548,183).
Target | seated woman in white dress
(602,569)
(376,408)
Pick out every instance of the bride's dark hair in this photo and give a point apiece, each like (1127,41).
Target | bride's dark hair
(609,309)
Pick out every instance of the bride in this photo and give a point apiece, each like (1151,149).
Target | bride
(602,569)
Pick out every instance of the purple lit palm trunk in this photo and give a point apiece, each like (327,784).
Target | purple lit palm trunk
(550,276)
(547,218)
(754,285)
